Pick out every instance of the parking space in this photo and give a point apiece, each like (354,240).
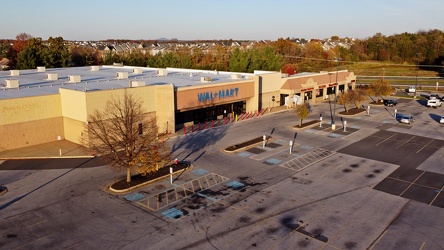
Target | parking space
(407,151)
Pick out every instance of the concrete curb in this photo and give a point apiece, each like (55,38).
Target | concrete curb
(115,191)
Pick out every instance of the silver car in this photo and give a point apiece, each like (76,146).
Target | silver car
(408,119)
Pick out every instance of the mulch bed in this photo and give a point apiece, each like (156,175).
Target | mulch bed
(246,144)
(140,179)
(353,111)
(306,124)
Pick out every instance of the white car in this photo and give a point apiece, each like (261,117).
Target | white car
(407,119)
(441,120)
(412,89)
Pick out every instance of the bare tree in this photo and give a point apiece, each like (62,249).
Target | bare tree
(127,136)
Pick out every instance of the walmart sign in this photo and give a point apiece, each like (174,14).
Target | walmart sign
(221,94)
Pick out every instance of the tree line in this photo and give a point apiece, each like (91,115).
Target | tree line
(284,54)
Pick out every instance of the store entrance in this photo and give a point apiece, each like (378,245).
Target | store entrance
(210,113)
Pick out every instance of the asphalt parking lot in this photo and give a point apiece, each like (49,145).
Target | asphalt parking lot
(376,185)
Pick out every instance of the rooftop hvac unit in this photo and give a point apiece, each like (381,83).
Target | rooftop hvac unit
(162,72)
(95,68)
(122,75)
(41,69)
(11,83)
(14,72)
(137,71)
(52,76)
(73,79)
(134,84)
(236,76)
(118,64)
(206,79)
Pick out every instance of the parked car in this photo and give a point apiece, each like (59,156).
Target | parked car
(441,120)
(408,119)
(412,89)
(434,97)
(434,103)
(390,103)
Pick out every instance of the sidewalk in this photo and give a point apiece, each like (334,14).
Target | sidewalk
(56,149)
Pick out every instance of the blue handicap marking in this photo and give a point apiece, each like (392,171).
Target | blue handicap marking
(245,154)
(173,213)
(235,184)
(306,147)
(134,196)
(200,171)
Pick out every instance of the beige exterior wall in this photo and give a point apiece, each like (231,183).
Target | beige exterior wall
(158,99)
(165,108)
(30,121)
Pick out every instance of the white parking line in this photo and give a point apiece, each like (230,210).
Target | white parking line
(425,146)
(386,139)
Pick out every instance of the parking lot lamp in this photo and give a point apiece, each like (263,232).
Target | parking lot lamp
(417,70)
(333,125)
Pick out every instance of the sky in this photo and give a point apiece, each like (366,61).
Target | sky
(84,20)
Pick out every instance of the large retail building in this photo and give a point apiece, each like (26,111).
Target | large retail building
(43,105)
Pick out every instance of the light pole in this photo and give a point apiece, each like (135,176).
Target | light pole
(417,69)
(333,125)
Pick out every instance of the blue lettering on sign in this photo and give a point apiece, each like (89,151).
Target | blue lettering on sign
(210,96)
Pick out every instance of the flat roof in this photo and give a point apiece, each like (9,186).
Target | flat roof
(34,83)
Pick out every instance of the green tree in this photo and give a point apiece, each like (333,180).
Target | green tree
(32,54)
(58,54)
(265,58)
(239,61)
(302,111)
(127,136)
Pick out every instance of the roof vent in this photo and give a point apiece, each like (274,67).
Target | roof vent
(14,72)
(236,76)
(122,75)
(118,64)
(137,71)
(11,83)
(162,72)
(95,68)
(41,69)
(134,84)
(75,78)
(206,79)
(52,76)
